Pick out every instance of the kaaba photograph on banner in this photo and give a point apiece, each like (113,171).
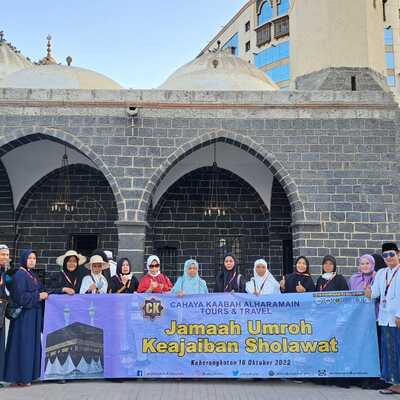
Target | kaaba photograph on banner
(75,351)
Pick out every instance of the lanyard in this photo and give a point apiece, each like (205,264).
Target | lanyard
(323,287)
(391,280)
(128,283)
(29,273)
(227,285)
(261,288)
(69,280)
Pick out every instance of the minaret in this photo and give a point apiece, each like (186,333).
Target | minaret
(49,58)
(343,35)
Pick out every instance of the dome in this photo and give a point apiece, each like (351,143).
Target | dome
(218,71)
(56,76)
(11,60)
(47,74)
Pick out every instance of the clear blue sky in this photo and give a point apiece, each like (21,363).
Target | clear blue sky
(137,43)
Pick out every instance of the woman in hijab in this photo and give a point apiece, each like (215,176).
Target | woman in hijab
(95,282)
(154,281)
(23,351)
(262,282)
(300,280)
(330,280)
(106,270)
(229,279)
(124,281)
(365,275)
(70,277)
(190,282)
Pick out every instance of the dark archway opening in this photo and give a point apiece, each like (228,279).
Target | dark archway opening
(92,223)
(179,229)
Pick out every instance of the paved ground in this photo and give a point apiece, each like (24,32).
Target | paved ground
(186,390)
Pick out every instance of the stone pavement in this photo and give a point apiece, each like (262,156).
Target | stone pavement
(186,390)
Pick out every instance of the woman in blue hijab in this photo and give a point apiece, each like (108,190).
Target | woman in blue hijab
(190,282)
(23,351)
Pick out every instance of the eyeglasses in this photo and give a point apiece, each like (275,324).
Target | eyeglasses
(154,265)
(389,254)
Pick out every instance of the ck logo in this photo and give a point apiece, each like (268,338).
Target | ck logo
(152,308)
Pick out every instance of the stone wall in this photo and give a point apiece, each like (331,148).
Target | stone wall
(335,154)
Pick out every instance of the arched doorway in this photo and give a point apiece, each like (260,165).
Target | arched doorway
(30,173)
(89,226)
(179,228)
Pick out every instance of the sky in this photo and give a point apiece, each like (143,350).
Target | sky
(136,43)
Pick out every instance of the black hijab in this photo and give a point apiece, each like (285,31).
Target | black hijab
(307,272)
(73,277)
(332,260)
(227,281)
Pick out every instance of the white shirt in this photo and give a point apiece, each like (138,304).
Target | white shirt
(269,286)
(391,309)
(88,280)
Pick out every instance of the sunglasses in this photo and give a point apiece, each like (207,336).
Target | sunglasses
(154,265)
(389,254)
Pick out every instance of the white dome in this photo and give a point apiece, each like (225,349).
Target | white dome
(218,71)
(11,60)
(56,76)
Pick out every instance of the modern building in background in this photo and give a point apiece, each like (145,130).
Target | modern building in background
(284,38)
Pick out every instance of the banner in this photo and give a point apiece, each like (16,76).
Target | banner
(209,336)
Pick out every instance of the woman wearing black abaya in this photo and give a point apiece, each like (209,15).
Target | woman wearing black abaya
(23,353)
(124,281)
(229,279)
(70,277)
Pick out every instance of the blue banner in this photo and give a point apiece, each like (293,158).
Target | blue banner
(209,336)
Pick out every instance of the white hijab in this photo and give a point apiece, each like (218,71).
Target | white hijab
(98,279)
(265,284)
(150,259)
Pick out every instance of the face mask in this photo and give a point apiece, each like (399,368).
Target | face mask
(328,275)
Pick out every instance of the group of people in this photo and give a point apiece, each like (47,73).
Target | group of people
(377,276)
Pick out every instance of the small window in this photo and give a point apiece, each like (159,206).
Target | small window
(247,26)
(265,13)
(248,46)
(384,9)
(263,34)
(353,83)
(281,27)
(283,7)
(84,244)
